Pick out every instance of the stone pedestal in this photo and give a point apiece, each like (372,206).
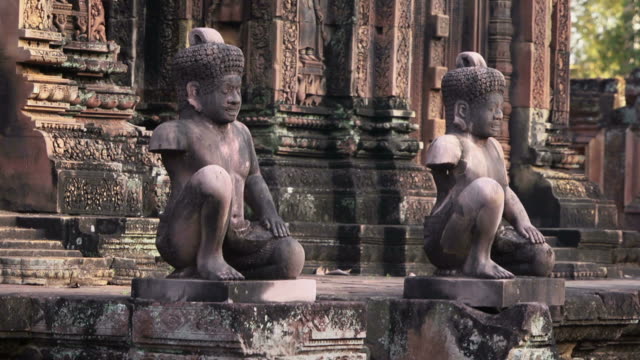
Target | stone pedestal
(399,329)
(92,325)
(268,291)
(486,293)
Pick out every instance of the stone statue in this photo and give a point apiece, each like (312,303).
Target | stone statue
(473,188)
(213,168)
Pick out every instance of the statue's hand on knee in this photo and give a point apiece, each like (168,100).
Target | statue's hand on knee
(276,225)
(530,232)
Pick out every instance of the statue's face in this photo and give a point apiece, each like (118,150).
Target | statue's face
(222,105)
(485,116)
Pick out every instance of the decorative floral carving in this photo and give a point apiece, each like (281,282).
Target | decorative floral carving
(403,55)
(290,53)
(362,61)
(540,51)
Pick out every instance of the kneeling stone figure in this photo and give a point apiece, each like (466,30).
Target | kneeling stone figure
(473,188)
(213,168)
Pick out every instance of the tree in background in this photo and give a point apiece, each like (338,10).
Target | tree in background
(605,39)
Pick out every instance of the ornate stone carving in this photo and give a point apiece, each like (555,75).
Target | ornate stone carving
(37,15)
(403,56)
(290,54)
(97,31)
(560,65)
(540,16)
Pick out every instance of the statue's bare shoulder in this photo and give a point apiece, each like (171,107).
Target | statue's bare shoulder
(170,136)
(445,150)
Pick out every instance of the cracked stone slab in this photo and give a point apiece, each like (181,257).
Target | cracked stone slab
(487,293)
(259,291)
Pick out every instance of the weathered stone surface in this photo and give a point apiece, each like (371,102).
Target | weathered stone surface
(599,320)
(436,329)
(278,291)
(100,323)
(486,293)
(53,327)
(333,330)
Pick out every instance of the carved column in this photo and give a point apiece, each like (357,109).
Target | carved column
(433,123)
(499,57)
(540,156)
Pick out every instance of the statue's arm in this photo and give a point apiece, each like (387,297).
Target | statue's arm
(516,215)
(258,196)
(443,155)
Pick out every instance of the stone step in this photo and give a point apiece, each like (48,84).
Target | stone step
(21,233)
(600,256)
(578,270)
(552,241)
(581,237)
(55,271)
(40,253)
(31,244)
(7,220)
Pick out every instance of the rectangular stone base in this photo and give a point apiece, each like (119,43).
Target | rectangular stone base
(485,292)
(85,323)
(265,291)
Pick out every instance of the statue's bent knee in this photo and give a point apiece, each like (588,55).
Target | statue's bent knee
(487,191)
(291,257)
(213,181)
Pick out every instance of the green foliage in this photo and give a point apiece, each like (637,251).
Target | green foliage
(605,38)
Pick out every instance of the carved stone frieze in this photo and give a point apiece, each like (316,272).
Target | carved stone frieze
(87,192)
(93,145)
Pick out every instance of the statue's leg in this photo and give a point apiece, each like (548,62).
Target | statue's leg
(285,261)
(197,226)
(259,255)
(473,226)
(520,256)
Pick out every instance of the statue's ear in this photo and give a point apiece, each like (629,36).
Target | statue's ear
(193,92)
(461,114)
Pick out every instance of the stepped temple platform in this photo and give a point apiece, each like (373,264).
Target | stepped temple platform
(355,317)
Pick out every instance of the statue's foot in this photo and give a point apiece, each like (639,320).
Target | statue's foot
(486,270)
(186,273)
(219,270)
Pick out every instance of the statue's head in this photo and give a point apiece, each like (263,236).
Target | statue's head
(473,96)
(208,75)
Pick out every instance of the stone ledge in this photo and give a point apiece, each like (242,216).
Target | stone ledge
(486,293)
(278,291)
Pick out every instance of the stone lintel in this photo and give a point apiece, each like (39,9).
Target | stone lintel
(170,290)
(485,292)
